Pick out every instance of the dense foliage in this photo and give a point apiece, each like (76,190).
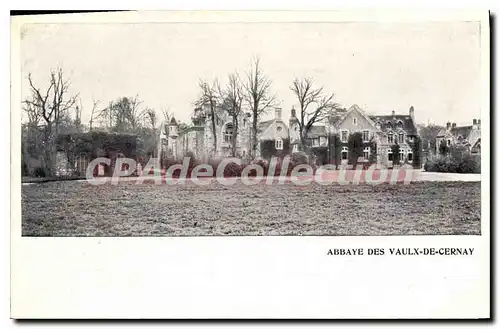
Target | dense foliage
(456,160)
(268,148)
(355,144)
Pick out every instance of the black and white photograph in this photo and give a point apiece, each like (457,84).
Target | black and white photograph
(207,125)
(251,129)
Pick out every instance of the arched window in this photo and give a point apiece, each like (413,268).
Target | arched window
(377,125)
(228,133)
(410,156)
(401,155)
(81,164)
(400,124)
(344,153)
(366,153)
(401,139)
(390,137)
(389,155)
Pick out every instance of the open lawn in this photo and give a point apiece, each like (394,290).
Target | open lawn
(74,208)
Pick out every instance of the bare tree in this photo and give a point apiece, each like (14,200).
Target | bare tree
(52,104)
(78,116)
(134,113)
(165,111)
(151,124)
(123,115)
(93,114)
(258,96)
(233,96)
(33,112)
(314,106)
(210,98)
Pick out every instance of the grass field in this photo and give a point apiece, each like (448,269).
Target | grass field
(75,208)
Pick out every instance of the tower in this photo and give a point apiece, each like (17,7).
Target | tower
(172,134)
(293,124)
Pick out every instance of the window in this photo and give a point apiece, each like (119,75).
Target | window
(354,121)
(390,138)
(366,136)
(295,147)
(389,155)
(315,141)
(411,139)
(344,153)
(296,128)
(344,135)
(410,156)
(401,138)
(366,153)
(388,125)
(377,125)
(278,144)
(449,142)
(400,124)
(244,122)
(401,155)
(228,133)
(279,128)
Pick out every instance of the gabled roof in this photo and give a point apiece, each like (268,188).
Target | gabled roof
(463,131)
(408,125)
(263,125)
(476,146)
(191,128)
(474,137)
(316,131)
(466,132)
(342,116)
(335,119)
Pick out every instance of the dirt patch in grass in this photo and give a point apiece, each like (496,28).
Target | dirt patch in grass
(79,209)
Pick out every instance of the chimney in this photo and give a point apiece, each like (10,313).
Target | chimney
(412,113)
(453,125)
(277,112)
(294,113)
(393,113)
(476,124)
(448,125)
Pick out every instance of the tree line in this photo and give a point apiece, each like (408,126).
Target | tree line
(54,110)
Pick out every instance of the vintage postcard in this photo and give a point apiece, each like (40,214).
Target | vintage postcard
(251,165)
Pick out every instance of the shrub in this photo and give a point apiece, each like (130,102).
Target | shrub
(355,144)
(39,172)
(299,158)
(467,164)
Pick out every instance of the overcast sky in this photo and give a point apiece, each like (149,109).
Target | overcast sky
(380,66)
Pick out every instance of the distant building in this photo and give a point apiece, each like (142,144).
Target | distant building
(385,130)
(468,137)
(198,140)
